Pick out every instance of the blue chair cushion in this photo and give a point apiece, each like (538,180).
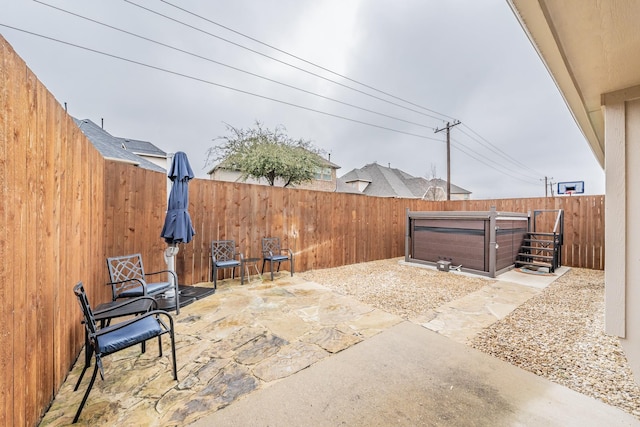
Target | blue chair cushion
(144,329)
(278,258)
(225,264)
(152,289)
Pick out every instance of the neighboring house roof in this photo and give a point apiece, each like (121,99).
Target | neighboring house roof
(142,148)
(357,175)
(390,182)
(112,148)
(442,183)
(342,187)
(384,182)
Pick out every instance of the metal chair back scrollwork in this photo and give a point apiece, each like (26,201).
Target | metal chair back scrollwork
(272,252)
(128,279)
(224,254)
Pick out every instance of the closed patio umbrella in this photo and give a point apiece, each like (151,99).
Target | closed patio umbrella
(177,223)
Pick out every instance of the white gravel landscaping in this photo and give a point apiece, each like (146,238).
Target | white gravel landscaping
(557,334)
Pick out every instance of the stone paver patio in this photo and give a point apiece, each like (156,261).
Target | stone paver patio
(228,344)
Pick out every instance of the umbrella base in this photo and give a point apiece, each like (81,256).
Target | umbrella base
(188,294)
(169,304)
(196,292)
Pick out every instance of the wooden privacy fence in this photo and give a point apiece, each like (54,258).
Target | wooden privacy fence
(323,229)
(332,229)
(583,223)
(52,187)
(65,210)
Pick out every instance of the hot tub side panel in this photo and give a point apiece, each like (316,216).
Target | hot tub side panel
(509,237)
(461,241)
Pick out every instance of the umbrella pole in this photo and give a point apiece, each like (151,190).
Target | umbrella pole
(172,250)
(170,259)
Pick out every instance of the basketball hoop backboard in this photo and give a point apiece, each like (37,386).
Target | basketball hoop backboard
(574,187)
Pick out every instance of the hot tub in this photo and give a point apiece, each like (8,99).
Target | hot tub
(485,242)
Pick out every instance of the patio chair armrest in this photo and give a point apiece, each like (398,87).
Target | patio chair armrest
(120,282)
(168,315)
(154,304)
(122,324)
(173,273)
(288,250)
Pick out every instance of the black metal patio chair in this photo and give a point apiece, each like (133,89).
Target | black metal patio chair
(103,314)
(111,339)
(272,252)
(128,279)
(224,254)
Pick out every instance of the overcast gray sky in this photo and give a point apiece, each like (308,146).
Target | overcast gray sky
(411,66)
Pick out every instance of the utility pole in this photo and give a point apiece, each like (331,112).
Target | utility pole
(547,185)
(448,128)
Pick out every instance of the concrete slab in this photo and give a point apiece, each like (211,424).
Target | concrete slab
(409,376)
(536,280)
(465,317)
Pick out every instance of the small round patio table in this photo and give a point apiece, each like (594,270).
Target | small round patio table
(247,263)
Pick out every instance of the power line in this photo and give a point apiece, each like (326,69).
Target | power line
(499,171)
(498,151)
(280,61)
(198,79)
(490,146)
(261,96)
(306,61)
(495,164)
(195,55)
(499,167)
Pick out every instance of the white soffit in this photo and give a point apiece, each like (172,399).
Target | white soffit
(590,47)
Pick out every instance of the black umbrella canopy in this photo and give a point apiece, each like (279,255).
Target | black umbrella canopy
(177,224)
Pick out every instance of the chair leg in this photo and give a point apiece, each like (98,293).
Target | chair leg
(291,262)
(86,394)
(271,270)
(88,352)
(173,351)
(214,274)
(87,363)
(177,297)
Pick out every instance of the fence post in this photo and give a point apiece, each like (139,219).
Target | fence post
(493,245)
(407,235)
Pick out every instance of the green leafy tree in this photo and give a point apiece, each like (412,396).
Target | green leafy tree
(259,152)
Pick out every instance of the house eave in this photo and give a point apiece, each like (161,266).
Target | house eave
(580,98)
